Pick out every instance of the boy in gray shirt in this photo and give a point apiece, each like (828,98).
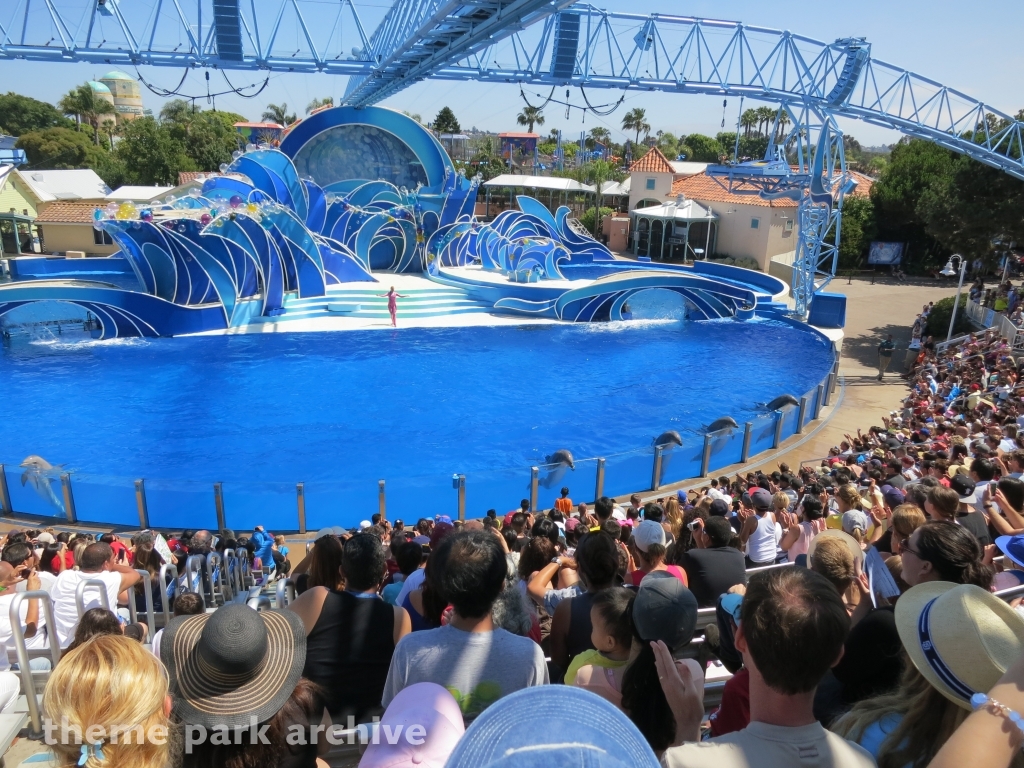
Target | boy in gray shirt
(476,661)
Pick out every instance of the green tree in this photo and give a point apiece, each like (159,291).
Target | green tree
(178,111)
(748,120)
(857,231)
(22,114)
(529,117)
(636,120)
(60,149)
(590,219)
(600,135)
(150,154)
(317,103)
(445,122)
(86,106)
(278,113)
(704,149)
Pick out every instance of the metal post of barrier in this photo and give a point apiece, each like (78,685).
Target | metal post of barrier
(5,494)
(300,503)
(599,487)
(18,634)
(462,496)
(800,416)
(140,502)
(779,418)
(828,388)
(705,456)
(818,401)
(285,593)
(211,561)
(835,376)
(80,594)
(69,498)
(218,502)
(656,471)
(534,491)
(147,587)
(382,500)
(748,430)
(164,600)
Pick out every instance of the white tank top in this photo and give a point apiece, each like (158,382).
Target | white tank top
(761,544)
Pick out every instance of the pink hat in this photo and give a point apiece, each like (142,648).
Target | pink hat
(439,718)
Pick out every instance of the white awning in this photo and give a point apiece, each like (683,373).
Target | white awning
(687,210)
(554,183)
(615,188)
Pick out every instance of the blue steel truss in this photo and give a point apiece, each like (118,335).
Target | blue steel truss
(679,54)
(274,35)
(519,41)
(418,37)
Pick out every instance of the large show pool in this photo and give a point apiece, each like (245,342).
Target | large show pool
(338,411)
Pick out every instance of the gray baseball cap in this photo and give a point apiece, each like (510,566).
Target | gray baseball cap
(665,610)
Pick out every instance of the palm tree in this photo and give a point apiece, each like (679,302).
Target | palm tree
(86,106)
(109,128)
(278,113)
(177,111)
(72,103)
(530,116)
(748,120)
(767,115)
(783,122)
(318,103)
(600,135)
(636,120)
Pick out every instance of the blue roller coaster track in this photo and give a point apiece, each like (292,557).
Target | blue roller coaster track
(517,41)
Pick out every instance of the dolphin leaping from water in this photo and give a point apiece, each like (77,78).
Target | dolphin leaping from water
(782,401)
(35,467)
(559,461)
(668,439)
(726,422)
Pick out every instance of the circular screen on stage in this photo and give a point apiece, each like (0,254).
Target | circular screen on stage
(356,151)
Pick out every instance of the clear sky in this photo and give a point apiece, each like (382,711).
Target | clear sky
(974,48)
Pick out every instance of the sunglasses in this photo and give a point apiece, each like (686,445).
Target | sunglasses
(905,547)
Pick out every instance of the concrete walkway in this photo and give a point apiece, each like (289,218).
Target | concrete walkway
(872,311)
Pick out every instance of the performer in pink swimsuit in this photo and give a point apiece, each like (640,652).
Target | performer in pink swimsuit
(393,304)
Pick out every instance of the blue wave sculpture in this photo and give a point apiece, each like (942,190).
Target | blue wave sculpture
(349,194)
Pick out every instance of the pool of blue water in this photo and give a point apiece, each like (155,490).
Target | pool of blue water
(339,411)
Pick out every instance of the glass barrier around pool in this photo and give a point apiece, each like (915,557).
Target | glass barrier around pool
(308,506)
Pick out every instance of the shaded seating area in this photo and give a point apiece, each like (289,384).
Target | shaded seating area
(680,231)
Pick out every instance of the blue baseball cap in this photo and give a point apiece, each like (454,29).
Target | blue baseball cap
(1012,547)
(528,729)
(732,604)
(442,519)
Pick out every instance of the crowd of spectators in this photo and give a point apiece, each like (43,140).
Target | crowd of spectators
(850,604)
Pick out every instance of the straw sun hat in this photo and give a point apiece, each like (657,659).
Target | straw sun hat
(233,664)
(959,636)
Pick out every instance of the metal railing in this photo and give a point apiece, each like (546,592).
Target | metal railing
(284,593)
(18,635)
(147,591)
(165,569)
(80,594)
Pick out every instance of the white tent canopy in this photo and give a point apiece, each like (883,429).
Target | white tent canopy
(686,210)
(552,183)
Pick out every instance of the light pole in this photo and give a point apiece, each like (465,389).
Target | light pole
(948,271)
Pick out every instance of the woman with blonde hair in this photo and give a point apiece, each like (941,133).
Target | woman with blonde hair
(853,515)
(113,694)
(960,639)
(673,522)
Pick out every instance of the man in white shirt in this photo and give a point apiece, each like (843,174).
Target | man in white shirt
(97,564)
(806,609)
